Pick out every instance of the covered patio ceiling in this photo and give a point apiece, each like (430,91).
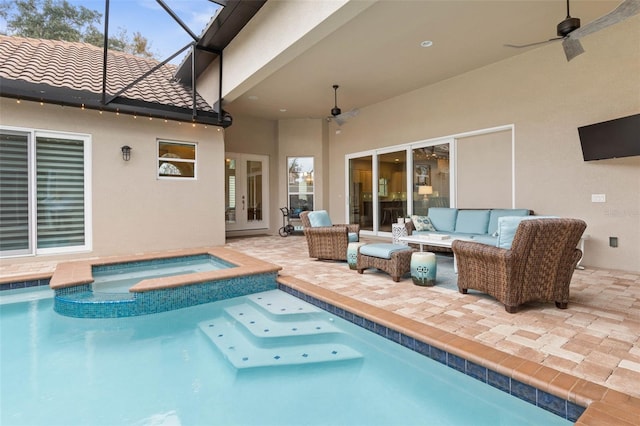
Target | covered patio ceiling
(377,55)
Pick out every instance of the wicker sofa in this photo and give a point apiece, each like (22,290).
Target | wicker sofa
(538,266)
(326,240)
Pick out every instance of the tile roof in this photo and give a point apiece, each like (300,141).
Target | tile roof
(51,69)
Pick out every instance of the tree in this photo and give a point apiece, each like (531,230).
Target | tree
(59,20)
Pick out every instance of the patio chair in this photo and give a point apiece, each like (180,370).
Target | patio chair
(326,240)
(538,266)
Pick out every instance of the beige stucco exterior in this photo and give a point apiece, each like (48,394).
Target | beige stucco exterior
(132,210)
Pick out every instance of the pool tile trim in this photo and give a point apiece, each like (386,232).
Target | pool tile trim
(25,282)
(555,391)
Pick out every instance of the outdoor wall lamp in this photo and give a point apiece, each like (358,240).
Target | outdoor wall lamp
(126,152)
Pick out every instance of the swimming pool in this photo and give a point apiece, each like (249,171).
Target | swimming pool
(170,369)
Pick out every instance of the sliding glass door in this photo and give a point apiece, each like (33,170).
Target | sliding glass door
(44,184)
(384,185)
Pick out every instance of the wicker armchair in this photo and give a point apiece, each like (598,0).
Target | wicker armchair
(538,266)
(327,242)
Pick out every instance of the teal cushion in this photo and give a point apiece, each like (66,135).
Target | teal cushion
(353,237)
(443,218)
(382,251)
(472,221)
(498,213)
(422,223)
(507,227)
(319,218)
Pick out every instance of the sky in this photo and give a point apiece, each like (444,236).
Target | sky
(149,19)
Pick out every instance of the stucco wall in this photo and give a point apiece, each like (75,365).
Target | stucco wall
(547,99)
(134,211)
(487,156)
(302,138)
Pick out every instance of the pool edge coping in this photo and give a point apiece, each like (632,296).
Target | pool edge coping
(602,404)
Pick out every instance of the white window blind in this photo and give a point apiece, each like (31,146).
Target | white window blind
(14,193)
(60,194)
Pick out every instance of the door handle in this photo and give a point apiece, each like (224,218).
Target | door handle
(243,202)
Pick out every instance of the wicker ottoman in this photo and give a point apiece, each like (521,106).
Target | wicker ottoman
(394,259)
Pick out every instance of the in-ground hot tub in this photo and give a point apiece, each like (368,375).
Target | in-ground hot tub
(157,282)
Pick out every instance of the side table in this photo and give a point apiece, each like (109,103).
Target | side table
(398,230)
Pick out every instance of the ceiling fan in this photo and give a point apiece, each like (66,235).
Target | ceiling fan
(570,32)
(336,113)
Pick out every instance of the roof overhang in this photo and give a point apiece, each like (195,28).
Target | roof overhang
(38,92)
(232,18)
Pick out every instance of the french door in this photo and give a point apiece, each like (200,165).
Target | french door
(246,192)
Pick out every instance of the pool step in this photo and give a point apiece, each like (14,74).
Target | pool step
(282,304)
(265,328)
(276,329)
(242,353)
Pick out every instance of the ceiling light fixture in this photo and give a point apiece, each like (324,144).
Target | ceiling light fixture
(426,43)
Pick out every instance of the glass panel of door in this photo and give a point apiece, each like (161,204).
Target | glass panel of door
(361,192)
(254,191)
(431,186)
(392,188)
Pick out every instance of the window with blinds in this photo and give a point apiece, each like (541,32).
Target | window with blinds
(60,182)
(42,193)
(14,194)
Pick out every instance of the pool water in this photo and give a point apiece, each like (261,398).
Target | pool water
(120,278)
(263,359)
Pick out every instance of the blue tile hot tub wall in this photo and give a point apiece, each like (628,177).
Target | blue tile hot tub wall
(82,302)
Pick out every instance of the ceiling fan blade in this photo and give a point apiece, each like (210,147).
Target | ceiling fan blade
(340,119)
(572,48)
(624,10)
(520,46)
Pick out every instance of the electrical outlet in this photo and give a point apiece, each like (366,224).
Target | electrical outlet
(598,198)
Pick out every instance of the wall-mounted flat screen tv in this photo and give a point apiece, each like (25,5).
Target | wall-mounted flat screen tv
(611,139)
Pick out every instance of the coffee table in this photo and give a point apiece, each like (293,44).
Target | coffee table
(424,240)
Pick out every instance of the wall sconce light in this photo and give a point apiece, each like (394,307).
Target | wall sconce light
(126,152)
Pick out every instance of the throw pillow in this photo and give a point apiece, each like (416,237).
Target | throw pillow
(422,223)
